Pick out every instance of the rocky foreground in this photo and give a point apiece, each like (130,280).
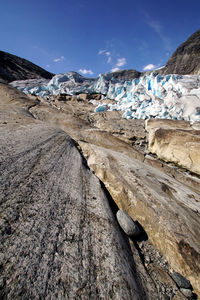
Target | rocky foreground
(60,236)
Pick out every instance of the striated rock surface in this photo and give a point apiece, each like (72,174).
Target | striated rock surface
(57,206)
(178,142)
(164,200)
(59,235)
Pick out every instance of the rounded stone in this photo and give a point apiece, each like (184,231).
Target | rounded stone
(187,293)
(127,223)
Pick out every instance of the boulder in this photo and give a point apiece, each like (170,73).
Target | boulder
(175,141)
(187,293)
(85,97)
(127,224)
(63,97)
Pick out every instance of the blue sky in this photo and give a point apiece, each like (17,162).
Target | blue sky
(93,37)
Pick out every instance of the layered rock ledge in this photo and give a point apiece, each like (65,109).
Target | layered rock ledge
(178,142)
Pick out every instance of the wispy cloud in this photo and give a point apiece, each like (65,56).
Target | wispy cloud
(61,58)
(86,72)
(121,62)
(101,52)
(47,66)
(158,29)
(156,26)
(109,60)
(107,54)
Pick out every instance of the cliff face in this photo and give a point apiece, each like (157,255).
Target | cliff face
(186,59)
(16,68)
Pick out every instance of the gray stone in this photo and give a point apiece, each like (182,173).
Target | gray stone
(187,293)
(181,281)
(127,224)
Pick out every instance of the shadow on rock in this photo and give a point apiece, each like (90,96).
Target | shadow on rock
(142,236)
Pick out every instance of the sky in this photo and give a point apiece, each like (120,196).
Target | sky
(93,37)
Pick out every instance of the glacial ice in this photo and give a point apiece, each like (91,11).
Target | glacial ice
(101,107)
(149,96)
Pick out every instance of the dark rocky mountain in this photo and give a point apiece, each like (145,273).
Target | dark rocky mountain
(186,59)
(126,74)
(13,68)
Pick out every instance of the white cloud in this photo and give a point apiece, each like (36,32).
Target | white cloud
(114,69)
(107,53)
(59,59)
(85,71)
(149,67)
(47,66)
(121,62)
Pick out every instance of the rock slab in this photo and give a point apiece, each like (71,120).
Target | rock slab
(175,141)
(59,237)
(164,201)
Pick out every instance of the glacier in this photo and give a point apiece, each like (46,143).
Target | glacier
(149,96)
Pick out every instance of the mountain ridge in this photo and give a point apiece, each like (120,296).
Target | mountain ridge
(13,67)
(186,58)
